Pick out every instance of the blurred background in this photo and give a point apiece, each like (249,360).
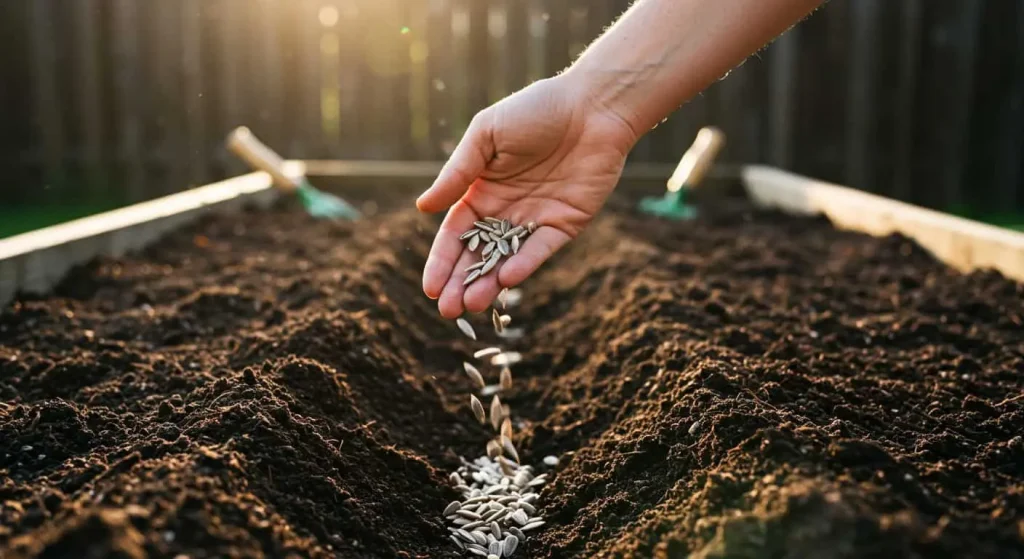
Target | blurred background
(109,102)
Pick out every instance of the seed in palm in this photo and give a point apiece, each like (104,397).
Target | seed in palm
(496,238)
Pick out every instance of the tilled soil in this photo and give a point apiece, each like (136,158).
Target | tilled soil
(746,385)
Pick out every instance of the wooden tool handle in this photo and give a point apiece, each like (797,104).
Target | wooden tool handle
(697,160)
(244,144)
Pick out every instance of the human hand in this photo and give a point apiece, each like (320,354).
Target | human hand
(547,154)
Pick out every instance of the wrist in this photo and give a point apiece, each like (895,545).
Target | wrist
(595,92)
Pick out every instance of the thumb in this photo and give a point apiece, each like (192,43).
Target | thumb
(466,164)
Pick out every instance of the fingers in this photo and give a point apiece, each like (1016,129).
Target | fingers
(536,250)
(465,165)
(447,249)
(450,302)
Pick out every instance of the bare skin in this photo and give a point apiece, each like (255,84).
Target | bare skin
(553,152)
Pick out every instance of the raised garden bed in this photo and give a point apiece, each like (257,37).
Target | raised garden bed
(751,384)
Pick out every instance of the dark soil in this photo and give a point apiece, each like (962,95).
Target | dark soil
(748,385)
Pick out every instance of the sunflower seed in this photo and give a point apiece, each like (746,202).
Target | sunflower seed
(472,267)
(520,517)
(488,249)
(530,509)
(505,320)
(474,374)
(473,243)
(487,351)
(517,533)
(490,390)
(455,478)
(539,480)
(509,545)
(531,226)
(505,226)
(476,550)
(465,327)
(451,508)
(469,527)
(493,556)
(503,247)
(465,535)
(468,514)
(515,245)
(480,538)
(512,333)
(493,449)
(494,548)
(496,412)
(506,378)
(513,232)
(458,542)
(551,461)
(496,319)
(468,234)
(495,529)
(491,263)
(534,524)
(503,297)
(478,409)
(522,234)
(509,448)
(506,428)
(471,277)
(484,226)
(492,220)
(507,358)
(506,466)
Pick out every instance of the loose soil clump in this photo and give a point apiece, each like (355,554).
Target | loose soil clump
(746,385)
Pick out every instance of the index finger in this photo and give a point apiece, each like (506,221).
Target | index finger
(447,248)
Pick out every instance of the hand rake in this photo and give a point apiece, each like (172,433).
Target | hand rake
(692,168)
(318,204)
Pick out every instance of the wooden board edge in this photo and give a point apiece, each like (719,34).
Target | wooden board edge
(963,244)
(36,261)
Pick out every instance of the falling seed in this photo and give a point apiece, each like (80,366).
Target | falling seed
(493,449)
(452,508)
(509,448)
(515,245)
(506,379)
(503,247)
(505,320)
(488,249)
(551,461)
(507,358)
(503,297)
(478,409)
(490,390)
(474,374)
(473,243)
(475,266)
(496,412)
(468,234)
(491,263)
(487,351)
(512,333)
(472,277)
(506,428)
(466,328)
(496,319)
(506,466)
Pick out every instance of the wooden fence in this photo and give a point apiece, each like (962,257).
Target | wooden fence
(130,99)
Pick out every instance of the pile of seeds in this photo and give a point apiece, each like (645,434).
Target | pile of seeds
(499,494)
(498,237)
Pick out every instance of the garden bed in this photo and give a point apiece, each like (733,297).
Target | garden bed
(747,385)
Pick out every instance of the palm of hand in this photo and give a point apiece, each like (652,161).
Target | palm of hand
(535,156)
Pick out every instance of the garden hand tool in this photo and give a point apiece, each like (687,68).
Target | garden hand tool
(319,204)
(692,168)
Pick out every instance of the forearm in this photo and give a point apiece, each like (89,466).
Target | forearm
(661,53)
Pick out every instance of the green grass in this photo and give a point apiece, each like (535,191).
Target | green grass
(17,220)
(1006,220)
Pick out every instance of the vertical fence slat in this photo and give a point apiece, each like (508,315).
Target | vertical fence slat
(164,25)
(87,92)
(192,70)
(44,85)
(909,56)
(556,39)
(782,56)
(479,66)
(439,57)
(126,64)
(861,113)
(517,31)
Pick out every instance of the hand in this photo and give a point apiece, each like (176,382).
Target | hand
(546,154)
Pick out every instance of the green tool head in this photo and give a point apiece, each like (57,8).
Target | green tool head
(691,170)
(323,205)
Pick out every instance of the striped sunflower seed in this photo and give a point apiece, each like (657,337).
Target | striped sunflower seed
(506,466)
(493,221)
(498,326)
(494,548)
(452,508)
(491,263)
(509,545)
(534,524)
(476,549)
(506,428)
(469,234)
(506,378)
(480,538)
(503,247)
(487,351)
(474,374)
(503,298)
(517,533)
(505,320)
(496,414)
(469,514)
(478,265)
(466,328)
(485,237)
(484,226)
(478,409)
(490,390)
(515,245)
(464,535)
(458,542)
(531,226)
(505,226)
(493,449)
(493,556)
(506,358)
(513,232)
(472,277)
(473,243)
(520,517)
(488,249)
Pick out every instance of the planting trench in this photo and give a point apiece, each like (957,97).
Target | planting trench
(747,385)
